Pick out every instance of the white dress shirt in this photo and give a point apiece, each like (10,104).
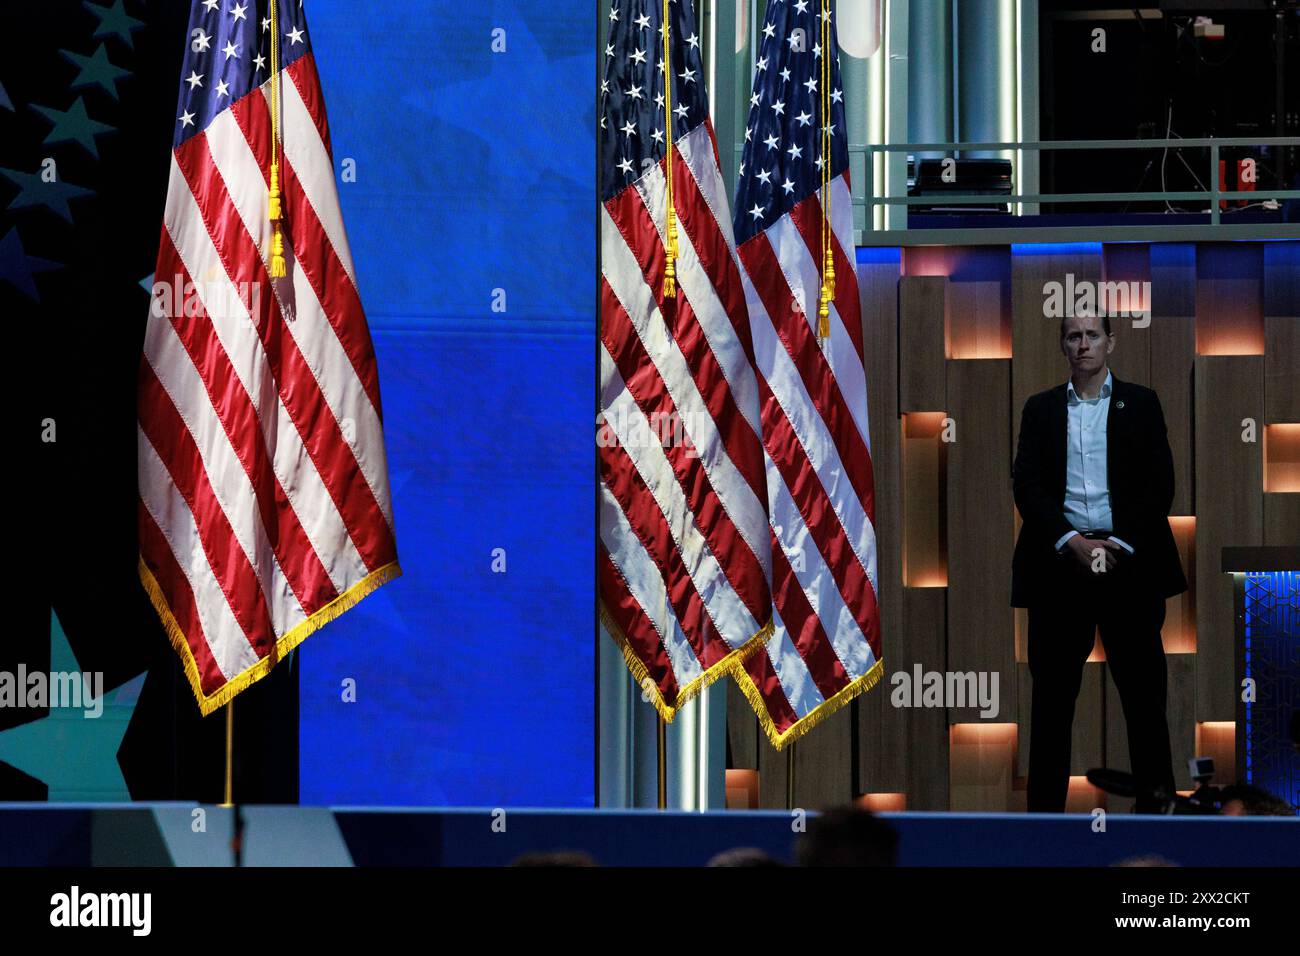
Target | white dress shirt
(1087,489)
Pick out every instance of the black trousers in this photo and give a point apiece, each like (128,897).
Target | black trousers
(1129,616)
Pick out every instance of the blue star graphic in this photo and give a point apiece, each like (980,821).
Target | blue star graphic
(113,21)
(38,192)
(16,267)
(96,70)
(74,755)
(73,125)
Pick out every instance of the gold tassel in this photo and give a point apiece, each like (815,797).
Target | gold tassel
(670,262)
(827,296)
(277,254)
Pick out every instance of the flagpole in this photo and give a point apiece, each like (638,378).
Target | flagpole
(789,776)
(229,800)
(661,746)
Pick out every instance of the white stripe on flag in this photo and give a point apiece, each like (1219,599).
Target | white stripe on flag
(734,492)
(732,618)
(801,274)
(230,482)
(226,639)
(778,368)
(646,585)
(310,328)
(302,483)
(791,671)
(817,580)
(306,153)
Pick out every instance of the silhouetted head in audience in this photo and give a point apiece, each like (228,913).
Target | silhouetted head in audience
(848,837)
(744,856)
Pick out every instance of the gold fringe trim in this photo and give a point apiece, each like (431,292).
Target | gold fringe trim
(733,664)
(814,717)
(210,702)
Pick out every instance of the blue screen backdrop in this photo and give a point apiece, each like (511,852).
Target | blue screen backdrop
(474,189)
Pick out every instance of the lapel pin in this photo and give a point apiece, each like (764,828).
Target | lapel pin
(1120,403)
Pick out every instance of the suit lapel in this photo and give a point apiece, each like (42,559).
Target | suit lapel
(1116,425)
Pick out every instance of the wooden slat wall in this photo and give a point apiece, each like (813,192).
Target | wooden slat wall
(1173,352)
(882,765)
(921,340)
(1130,263)
(1282,332)
(1037,361)
(939,325)
(1230,481)
(980,538)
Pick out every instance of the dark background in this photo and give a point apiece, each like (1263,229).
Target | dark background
(77,349)
(1222,88)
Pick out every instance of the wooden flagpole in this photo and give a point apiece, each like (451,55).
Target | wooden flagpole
(789,775)
(661,747)
(229,800)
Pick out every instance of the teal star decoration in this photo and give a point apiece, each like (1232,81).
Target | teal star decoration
(96,70)
(73,125)
(4,99)
(16,267)
(147,283)
(37,192)
(113,21)
(75,756)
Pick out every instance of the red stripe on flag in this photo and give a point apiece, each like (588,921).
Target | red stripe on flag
(807,217)
(760,670)
(711,247)
(646,385)
(764,271)
(804,627)
(629,214)
(302,72)
(297,384)
(298,559)
(158,558)
(171,439)
(313,251)
(651,528)
(818,514)
(639,630)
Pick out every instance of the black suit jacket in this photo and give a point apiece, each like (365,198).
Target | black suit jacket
(1140,473)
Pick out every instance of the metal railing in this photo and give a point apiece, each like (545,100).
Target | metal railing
(866,201)
(864,197)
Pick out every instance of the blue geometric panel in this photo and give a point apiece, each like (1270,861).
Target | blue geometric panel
(1272,661)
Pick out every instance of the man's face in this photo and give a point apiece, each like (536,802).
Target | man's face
(1086,343)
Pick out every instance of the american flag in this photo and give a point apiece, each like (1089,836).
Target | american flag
(825,647)
(684,551)
(264,504)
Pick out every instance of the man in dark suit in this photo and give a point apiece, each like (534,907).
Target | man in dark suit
(1093,481)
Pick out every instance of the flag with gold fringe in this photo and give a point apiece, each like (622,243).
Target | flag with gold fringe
(264,507)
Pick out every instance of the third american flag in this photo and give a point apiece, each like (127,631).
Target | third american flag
(264,501)
(794,225)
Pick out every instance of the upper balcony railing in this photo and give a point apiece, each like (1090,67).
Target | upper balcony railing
(1114,228)
(1209,223)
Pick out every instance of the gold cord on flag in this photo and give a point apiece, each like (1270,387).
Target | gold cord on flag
(670,247)
(828,258)
(273,196)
